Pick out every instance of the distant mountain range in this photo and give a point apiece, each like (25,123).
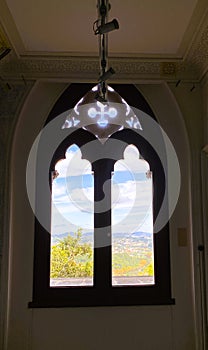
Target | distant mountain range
(87,236)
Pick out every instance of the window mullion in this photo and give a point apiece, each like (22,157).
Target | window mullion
(102,224)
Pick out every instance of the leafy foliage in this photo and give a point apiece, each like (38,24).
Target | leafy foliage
(71,258)
(125,264)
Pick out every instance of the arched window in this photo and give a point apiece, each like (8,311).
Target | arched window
(72,221)
(101,249)
(132,221)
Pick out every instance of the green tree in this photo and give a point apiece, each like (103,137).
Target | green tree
(71,258)
(149,270)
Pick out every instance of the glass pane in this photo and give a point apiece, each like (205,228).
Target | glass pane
(132,221)
(72,221)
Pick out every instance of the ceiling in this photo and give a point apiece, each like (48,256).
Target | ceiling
(153,27)
(149,29)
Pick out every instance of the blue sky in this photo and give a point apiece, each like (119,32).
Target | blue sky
(72,194)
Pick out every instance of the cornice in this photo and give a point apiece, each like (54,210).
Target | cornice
(192,67)
(88,68)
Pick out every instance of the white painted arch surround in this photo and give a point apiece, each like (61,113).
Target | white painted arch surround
(144,327)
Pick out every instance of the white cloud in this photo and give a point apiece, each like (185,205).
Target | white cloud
(131,161)
(82,195)
(131,199)
(130,193)
(70,216)
(76,201)
(133,222)
(73,165)
(62,224)
(75,209)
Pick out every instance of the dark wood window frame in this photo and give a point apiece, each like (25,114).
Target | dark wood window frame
(103,293)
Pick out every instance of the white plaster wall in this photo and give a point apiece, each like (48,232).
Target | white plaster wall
(165,107)
(205,108)
(141,327)
(191,103)
(204,167)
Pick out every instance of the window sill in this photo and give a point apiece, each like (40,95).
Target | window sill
(100,303)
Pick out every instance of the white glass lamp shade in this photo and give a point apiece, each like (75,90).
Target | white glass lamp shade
(102,118)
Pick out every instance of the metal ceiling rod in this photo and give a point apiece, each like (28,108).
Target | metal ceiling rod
(102,27)
(103,8)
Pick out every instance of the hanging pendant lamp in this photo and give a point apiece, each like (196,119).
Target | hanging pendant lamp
(102,111)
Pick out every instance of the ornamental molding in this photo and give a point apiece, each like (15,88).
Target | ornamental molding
(192,67)
(87,68)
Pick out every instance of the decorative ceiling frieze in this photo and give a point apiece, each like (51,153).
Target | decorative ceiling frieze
(88,68)
(191,67)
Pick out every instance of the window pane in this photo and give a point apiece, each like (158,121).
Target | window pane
(132,221)
(72,221)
